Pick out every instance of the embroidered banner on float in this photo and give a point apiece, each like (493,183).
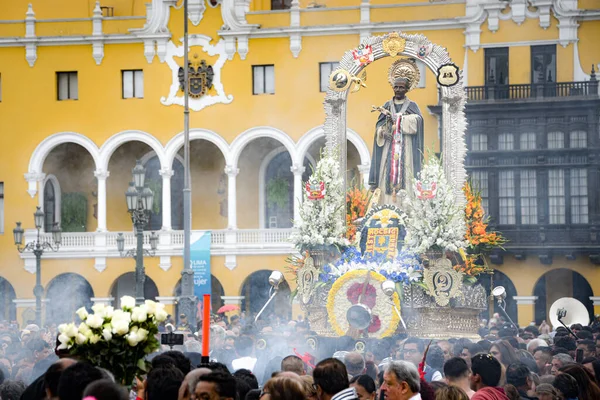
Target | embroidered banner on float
(200,260)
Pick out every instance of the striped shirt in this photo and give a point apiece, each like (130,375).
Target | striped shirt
(346,394)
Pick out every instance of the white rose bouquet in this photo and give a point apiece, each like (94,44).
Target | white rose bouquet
(117,340)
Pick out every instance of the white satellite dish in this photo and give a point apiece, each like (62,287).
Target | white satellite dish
(576,313)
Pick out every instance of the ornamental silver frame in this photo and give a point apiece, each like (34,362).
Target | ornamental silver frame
(453,100)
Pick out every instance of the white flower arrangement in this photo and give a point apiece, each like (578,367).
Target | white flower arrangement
(322,221)
(433,219)
(117,340)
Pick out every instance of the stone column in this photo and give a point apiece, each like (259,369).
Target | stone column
(166,174)
(364,170)
(101,176)
(526,309)
(596,302)
(297,170)
(231,196)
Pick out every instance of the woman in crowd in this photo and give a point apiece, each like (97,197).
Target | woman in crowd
(365,387)
(450,393)
(504,353)
(283,388)
(588,390)
(309,387)
(566,387)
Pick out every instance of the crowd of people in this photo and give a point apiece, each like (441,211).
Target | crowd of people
(274,362)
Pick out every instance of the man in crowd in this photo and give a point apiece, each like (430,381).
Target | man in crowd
(486,376)
(543,359)
(458,374)
(216,386)
(331,381)
(293,364)
(401,381)
(559,361)
(588,347)
(355,363)
(413,351)
(518,375)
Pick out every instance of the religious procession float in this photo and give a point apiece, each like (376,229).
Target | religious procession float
(403,255)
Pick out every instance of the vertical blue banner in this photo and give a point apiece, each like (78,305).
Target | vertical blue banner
(200,260)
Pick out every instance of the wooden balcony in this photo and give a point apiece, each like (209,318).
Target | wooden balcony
(533,91)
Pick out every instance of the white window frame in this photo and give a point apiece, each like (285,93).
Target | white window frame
(325,70)
(525,142)
(579,196)
(480,181)
(556,199)
(72,88)
(264,68)
(507,198)
(506,141)
(556,140)
(136,91)
(479,142)
(578,139)
(528,197)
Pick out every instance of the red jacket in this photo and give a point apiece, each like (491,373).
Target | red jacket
(490,393)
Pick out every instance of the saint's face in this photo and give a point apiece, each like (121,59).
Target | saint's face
(400,89)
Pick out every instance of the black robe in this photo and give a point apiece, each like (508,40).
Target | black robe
(417,145)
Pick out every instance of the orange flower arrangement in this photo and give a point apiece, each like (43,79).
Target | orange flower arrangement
(480,240)
(357,201)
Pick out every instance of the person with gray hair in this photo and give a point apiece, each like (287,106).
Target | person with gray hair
(535,343)
(11,390)
(559,361)
(401,381)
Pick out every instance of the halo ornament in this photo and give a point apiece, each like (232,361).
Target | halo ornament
(405,68)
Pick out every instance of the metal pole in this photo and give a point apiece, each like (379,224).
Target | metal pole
(187,301)
(140,272)
(38,289)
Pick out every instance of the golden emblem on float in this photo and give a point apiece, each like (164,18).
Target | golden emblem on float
(339,80)
(393,44)
(405,68)
(443,282)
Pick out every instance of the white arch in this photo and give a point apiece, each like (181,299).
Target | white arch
(176,143)
(240,142)
(318,132)
(36,162)
(113,143)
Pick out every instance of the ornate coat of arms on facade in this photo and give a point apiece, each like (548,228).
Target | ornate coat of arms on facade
(205,86)
(200,76)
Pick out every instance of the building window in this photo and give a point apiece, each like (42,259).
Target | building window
(479,142)
(325,70)
(263,79)
(543,64)
(527,141)
(556,140)
(505,141)
(281,4)
(578,139)
(1,207)
(556,196)
(579,196)
(496,66)
(133,84)
(506,189)
(529,214)
(67,86)
(479,181)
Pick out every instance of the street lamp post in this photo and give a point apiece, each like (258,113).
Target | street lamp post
(140,200)
(38,247)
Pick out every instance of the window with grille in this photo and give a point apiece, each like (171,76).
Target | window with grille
(556,140)
(479,180)
(1,207)
(529,213)
(505,141)
(506,195)
(556,196)
(527,141)
(263,79)
(133,84)
(479,142)
(325,70)
(578,139)
(579,196)
(67,86)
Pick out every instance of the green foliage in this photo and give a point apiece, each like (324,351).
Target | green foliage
(74,210)
(156,187)
(278,192)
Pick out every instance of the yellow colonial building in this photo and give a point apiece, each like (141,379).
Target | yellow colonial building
(87,88)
